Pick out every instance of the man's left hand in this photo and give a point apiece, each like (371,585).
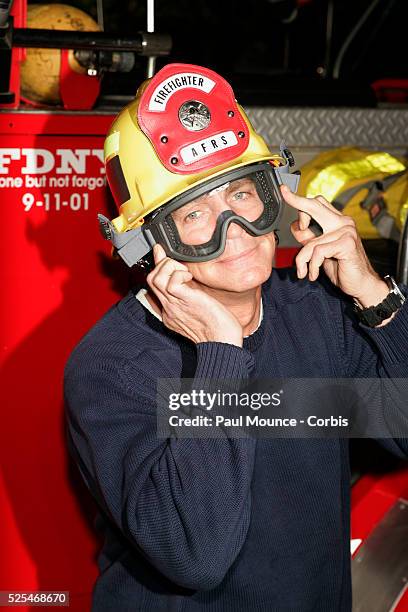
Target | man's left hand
(338,250)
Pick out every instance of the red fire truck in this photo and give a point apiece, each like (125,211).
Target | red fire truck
(58,278)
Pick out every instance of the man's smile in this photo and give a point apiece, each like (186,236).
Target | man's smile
(238,257)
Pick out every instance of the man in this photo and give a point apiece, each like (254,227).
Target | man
(234,523)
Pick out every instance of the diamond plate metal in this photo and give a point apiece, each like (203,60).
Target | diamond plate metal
(332,127)
(307,131)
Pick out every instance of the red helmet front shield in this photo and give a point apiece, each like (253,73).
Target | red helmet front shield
(190,116)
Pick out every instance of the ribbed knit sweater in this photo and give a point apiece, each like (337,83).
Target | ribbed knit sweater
(221,524)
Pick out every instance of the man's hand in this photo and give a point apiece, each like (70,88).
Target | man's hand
(188,310)
(338,250)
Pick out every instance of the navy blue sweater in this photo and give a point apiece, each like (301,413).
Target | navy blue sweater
(221,524)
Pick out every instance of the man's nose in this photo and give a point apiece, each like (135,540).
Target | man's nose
(220,205)
(235,231)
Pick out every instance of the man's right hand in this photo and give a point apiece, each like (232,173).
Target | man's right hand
(188,310)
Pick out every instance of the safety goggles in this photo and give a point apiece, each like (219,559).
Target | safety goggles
(193,226)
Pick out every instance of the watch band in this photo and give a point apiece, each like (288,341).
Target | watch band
(374,315)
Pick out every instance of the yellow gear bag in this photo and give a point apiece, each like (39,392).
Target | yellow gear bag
(370,186)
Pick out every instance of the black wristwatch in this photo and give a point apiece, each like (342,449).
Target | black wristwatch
(374,315)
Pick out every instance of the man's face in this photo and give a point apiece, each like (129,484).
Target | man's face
(247,260)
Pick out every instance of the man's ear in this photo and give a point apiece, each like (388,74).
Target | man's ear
(276,237)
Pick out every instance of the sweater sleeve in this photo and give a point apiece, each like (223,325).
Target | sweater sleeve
(184,503)
(378,352)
